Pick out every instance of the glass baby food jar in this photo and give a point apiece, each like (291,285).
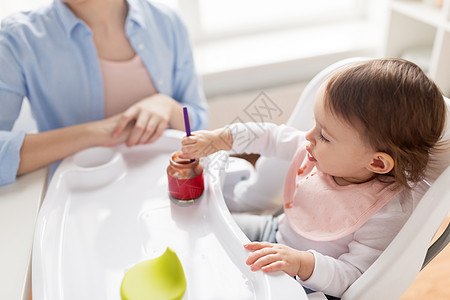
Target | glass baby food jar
(185,177)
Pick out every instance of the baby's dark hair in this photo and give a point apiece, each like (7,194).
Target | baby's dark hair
(397,109)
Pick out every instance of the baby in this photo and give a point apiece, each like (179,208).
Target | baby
(347,191)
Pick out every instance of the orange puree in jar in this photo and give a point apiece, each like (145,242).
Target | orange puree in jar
(181,168)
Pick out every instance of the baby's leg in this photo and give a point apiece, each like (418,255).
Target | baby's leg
(258,228)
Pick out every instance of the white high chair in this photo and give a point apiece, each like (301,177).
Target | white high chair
(394,271)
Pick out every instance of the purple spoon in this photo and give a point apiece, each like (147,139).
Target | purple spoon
(187,126)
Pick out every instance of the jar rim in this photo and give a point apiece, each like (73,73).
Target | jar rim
(186,165)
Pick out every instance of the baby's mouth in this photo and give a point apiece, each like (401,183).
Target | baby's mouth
(310,156)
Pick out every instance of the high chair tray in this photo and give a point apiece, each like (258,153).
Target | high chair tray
(107,209)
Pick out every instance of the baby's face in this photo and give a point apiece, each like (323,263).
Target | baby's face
(336,147)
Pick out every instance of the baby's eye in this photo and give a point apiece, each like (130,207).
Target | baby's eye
(322,138)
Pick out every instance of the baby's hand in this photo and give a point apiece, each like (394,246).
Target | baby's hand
(203,143)
(271,257)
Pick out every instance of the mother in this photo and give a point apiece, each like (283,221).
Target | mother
(96,73)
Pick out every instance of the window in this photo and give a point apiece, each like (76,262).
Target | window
(215,19)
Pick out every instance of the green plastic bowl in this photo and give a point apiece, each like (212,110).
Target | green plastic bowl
(161,278)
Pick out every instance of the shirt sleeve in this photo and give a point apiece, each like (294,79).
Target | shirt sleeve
(10,144)
(333,276)
(12,78)
(12,91)
(266,139)
(187,87)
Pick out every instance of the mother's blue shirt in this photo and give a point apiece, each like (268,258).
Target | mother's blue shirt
(49,56)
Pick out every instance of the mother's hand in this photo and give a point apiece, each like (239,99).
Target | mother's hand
(150,117)
(102,132)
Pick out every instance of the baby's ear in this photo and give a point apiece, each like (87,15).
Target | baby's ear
(382,163)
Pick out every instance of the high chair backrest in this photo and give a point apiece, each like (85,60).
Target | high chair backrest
(394,271)
(397,267)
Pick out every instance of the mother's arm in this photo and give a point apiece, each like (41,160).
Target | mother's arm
(42,149)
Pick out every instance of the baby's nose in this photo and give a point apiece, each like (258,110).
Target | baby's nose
(310,137)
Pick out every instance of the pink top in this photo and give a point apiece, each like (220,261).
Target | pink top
(125,83)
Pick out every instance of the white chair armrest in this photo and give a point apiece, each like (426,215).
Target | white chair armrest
(238,169)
